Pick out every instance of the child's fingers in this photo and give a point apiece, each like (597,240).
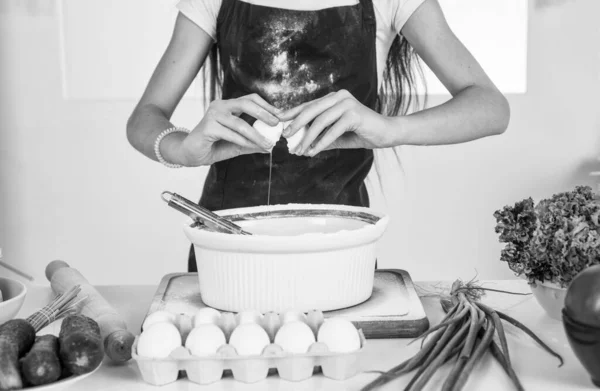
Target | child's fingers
(327,118)
(329,137)
(243,130)
(293,112)
(253,109)
(310,112)
(265,105)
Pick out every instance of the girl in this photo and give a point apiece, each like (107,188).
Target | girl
(338,73)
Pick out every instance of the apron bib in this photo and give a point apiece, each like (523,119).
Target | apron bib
(289,57)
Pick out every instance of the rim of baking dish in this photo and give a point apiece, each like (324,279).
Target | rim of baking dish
(306,243)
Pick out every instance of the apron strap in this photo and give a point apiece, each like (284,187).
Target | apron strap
(369,16)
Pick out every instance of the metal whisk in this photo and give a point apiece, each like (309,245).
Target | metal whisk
(202,215)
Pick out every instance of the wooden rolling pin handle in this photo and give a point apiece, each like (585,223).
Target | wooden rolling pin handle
(117,340)
(53,267)
(117,345)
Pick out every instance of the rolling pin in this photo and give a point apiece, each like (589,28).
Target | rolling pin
(117,340)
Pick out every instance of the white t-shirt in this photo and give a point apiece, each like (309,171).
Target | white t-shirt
(390,15)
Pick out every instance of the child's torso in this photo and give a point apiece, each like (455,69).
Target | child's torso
(290,57)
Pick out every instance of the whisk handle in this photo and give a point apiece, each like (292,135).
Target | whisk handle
(198,213)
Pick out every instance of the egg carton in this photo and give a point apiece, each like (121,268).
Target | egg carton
(249,368)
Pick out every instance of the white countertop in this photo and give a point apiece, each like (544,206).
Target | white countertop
(536,369)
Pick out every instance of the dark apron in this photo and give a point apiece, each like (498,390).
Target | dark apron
(290,57)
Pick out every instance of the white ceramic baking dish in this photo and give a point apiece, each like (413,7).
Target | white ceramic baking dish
(300,256)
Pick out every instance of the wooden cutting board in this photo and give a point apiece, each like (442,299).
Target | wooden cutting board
(393,311)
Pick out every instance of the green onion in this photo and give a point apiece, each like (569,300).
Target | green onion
(466,332)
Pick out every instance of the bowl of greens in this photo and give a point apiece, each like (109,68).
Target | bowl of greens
(550,242)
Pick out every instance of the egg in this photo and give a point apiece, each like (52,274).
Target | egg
(206,316)
(339,335)
(205,340)
(294,141)
(295,337)
(159,317)
(158,340)
(249,339)
(249,316)
(293,316)
(271,133)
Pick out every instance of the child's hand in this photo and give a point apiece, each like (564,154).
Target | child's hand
(338,121)
(222,134)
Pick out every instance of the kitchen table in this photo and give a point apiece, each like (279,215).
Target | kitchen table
(536,369)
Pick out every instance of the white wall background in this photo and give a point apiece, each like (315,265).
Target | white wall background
(71,187)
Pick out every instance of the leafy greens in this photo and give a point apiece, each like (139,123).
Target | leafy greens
(554,240)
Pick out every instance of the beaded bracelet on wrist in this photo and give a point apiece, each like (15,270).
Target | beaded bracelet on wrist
(160,137)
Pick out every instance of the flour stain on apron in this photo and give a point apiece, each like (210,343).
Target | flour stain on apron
(288,80)
(289,75)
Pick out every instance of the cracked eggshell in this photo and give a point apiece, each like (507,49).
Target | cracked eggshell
(249,339)
(272,133)
(294,141)
(158,340)
(295,337)
(339,335)
(205,340)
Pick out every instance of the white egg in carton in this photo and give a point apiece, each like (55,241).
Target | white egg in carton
(249,344)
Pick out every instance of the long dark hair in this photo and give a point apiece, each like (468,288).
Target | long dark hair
(212,76)
(398,94)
